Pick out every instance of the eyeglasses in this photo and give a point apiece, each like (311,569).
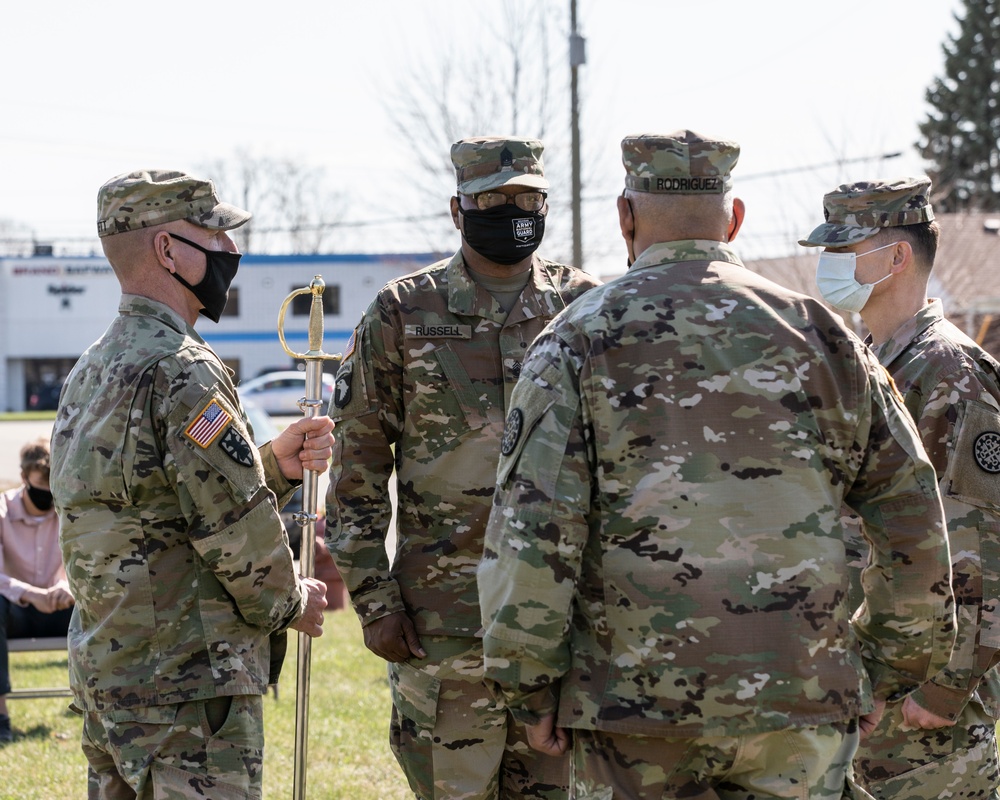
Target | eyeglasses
(526,201)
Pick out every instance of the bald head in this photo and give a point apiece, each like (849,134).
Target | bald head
(647,219)
(668,217)
(131,255)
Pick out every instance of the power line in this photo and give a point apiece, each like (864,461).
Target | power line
(316,226)
(773,173)
(837,163)
(343,224)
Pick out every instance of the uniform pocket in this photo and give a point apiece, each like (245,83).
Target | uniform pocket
(443,402)
(215,713)
(530,402)
(414,693)
(965,769)
(353,393)
(170,783)
(974,468)
(216,433)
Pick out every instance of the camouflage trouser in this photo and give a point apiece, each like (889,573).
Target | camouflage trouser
(798,764)
(177,752)
(453,740)
(959,761)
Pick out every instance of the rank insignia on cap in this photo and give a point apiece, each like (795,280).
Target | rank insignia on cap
(208,424)
(511,431)
(986,451)
(506,158)
(236,447)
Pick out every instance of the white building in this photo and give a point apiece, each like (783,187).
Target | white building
(52,308)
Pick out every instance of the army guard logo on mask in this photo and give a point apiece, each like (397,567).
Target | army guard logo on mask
(511,431)
(524,229)
(236,447)
(986,451)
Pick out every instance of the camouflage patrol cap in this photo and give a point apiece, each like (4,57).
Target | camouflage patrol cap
(145,198)
(857,211)
(682,162)
(489,162)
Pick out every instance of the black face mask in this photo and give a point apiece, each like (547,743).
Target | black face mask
(213,289)
(40,498)
(503,235)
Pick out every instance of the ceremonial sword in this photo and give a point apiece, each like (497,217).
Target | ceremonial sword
(306,518)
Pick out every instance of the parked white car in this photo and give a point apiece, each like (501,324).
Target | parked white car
(279,392)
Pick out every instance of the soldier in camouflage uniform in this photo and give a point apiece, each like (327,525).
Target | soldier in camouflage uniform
(664,576)
(880,239)
(175,553)
(424,389)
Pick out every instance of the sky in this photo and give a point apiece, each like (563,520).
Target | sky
(815,93)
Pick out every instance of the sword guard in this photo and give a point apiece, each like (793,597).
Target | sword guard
(315,352)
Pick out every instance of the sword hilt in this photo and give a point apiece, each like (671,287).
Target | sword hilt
(315,352)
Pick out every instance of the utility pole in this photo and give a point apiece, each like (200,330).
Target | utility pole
(577,57)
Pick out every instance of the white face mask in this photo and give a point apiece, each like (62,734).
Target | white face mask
(836,282)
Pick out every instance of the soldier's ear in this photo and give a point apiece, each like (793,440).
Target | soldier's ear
(902,257)
(454,213)
(162,244)
(736,221)
(625,219)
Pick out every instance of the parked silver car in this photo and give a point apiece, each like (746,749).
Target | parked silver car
(279,392)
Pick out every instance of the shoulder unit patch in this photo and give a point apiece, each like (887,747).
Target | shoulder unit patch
(342,384)
(986,451)
(236,447)
(511,431)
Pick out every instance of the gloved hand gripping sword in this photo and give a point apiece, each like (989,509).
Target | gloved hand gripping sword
(311,407)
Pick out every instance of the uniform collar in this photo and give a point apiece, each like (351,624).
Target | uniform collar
(138,306)
(539,297)
(686,250)
(913,330)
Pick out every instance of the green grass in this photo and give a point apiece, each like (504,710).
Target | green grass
(348,751)
(23,416)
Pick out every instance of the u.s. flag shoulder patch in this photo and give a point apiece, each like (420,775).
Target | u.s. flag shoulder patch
(207,426)
(351,344)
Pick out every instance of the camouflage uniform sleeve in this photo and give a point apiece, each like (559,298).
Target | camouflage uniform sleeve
(906,624)
(282,487)
(221,488)
(368,416)
(536,533)
(959,417)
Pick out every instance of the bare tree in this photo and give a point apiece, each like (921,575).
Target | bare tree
(294,211)
(15,239)
(474,90)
